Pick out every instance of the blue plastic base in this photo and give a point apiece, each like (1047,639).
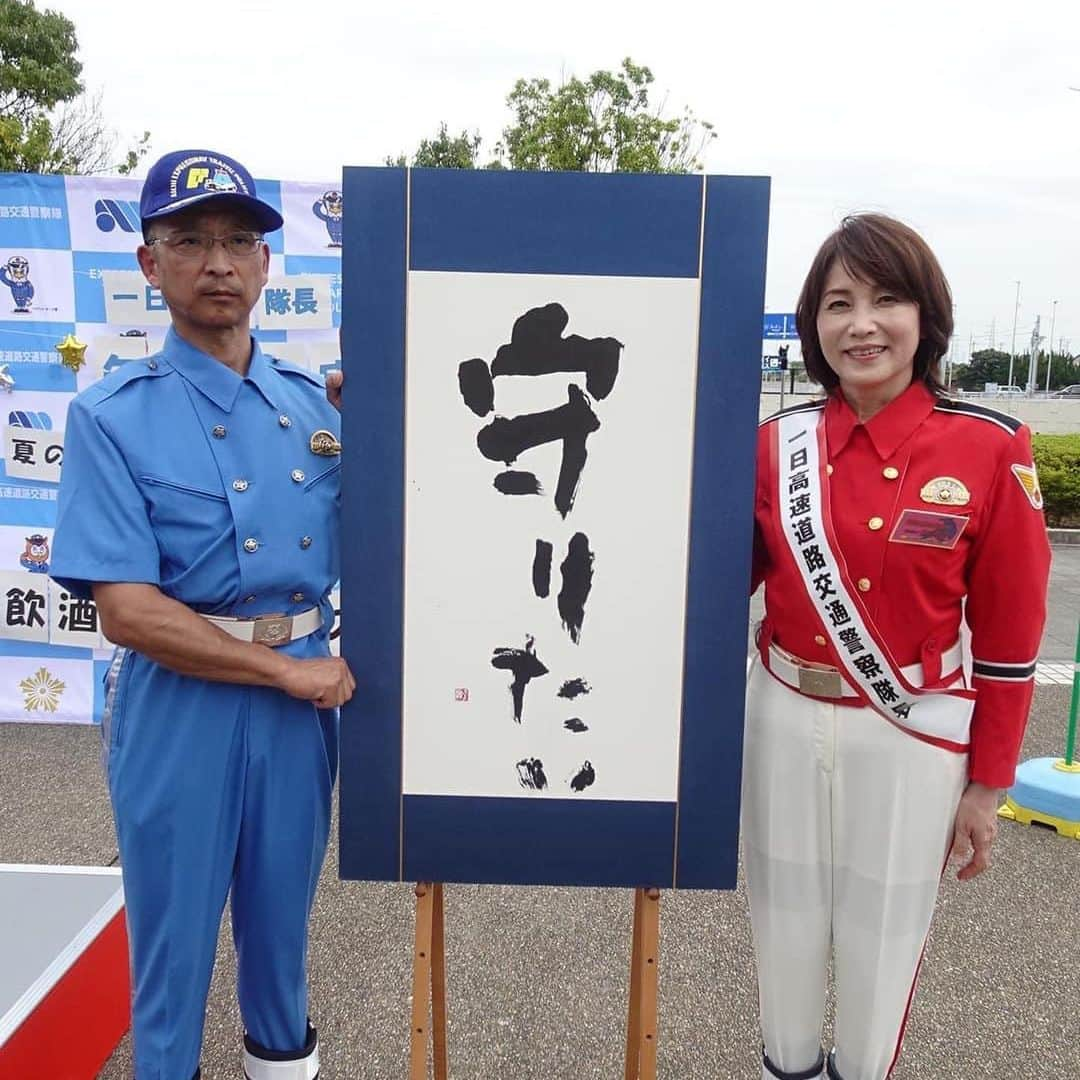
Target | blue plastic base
(1047,791)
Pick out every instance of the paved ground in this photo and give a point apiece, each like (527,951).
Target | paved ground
(537,977)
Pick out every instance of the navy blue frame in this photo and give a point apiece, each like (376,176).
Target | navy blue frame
(556,223)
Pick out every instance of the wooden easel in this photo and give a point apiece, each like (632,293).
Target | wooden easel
(641,1013)
(429,986)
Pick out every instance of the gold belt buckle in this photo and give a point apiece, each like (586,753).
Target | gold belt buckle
(273,629)
(820,682)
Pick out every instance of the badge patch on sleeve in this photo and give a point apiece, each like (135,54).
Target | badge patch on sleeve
(1029,481)
(928,529)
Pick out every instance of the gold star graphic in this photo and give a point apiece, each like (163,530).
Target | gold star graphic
(72,352)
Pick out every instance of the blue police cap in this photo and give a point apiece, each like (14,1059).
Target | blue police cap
(189,177)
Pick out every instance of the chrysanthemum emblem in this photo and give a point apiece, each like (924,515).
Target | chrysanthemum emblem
(43,691)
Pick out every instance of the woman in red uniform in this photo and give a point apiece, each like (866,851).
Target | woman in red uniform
(876,743)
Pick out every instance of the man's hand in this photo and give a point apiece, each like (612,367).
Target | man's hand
(325,681)
(334,381)
(975,829)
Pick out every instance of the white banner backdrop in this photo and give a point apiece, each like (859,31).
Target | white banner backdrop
(67,266)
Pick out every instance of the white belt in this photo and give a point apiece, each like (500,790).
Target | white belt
(819,680)
(270,629)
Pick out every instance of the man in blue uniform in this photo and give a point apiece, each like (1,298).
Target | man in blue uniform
(199,507)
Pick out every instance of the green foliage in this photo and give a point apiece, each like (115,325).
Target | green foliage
(992,366)
(605,123)
(47,124)
(1057,461)
(448,152)
(987,365)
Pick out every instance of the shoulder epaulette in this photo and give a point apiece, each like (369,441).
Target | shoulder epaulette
(150,367)
(295,369)
(979,412)
(806,406)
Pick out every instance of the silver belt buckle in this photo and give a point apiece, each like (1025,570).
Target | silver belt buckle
(820,682)
(273,629)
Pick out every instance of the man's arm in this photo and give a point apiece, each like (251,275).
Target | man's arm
(143,618)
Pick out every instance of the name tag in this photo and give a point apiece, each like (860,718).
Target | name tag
(928,529)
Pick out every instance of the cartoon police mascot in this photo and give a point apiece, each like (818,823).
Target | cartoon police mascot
(15,274)
(328,210)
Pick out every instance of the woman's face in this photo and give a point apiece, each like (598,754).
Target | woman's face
(868,335)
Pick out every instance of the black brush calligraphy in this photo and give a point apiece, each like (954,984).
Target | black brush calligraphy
(537,347)
(541,571)
(585,777)
(577,575)
(506,438)
(525,666)
(531,774)
(573,688)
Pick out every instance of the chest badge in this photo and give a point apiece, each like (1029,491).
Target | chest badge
(1029,481)
(325,444)
(945,491)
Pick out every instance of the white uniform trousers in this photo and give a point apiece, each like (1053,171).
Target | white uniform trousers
(846,824)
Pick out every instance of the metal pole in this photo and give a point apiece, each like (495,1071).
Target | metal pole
(1070,739)
(1012,354)
(1033,363)
(1050,357)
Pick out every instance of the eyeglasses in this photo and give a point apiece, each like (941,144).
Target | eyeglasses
(193,245)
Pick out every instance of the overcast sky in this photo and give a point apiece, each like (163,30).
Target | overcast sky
(955,116)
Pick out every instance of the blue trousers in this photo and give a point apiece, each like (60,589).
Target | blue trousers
(215,788)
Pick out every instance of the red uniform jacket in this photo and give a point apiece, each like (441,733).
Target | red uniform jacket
(916,591)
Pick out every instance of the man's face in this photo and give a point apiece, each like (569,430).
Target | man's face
(210,290)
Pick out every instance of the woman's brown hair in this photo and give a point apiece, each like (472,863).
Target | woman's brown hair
(880,250)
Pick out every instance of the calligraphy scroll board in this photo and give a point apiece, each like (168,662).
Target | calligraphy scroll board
(551,400)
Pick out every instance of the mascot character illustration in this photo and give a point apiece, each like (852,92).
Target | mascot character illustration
(328,210)
(35,556)
(15,274)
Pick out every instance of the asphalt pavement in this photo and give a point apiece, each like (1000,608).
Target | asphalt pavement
(537,977)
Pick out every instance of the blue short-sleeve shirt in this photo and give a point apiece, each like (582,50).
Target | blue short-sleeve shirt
(180,473)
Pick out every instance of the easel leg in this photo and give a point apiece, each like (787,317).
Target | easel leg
(429,984)
(641,1013)
(438,987)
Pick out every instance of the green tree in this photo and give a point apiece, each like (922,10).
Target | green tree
(47,123)
(605,123)
(986,365)
(444,151)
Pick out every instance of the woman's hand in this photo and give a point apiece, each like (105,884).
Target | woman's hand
(975,829)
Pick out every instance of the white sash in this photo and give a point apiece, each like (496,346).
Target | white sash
(865,660)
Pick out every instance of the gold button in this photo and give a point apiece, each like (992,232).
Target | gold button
(875,523)
(819,639)
(828,470)
(864,584)
(890,473)
(251,544)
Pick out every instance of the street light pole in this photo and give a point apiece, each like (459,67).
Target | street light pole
(1012,354)
(1050,355)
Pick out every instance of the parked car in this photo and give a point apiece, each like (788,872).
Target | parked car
(1071,391)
